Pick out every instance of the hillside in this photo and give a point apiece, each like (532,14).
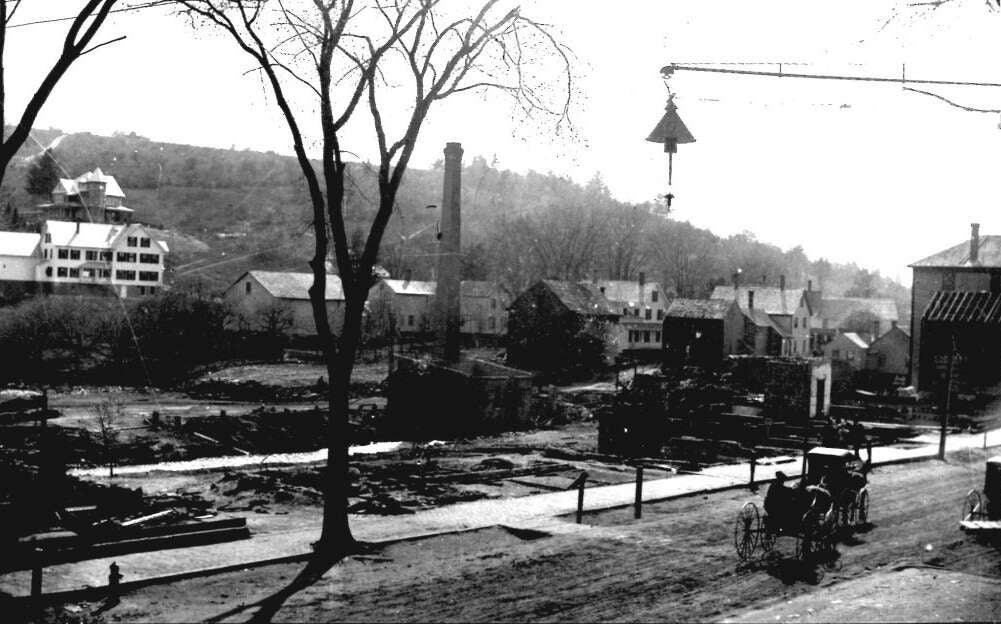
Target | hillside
(226,211)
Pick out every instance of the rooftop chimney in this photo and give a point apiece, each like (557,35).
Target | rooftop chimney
(974,243)
(809,285)
(736,279)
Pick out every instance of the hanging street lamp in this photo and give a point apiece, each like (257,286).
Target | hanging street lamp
(670,131)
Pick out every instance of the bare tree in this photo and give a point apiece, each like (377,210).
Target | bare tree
(108,417)
(83,27)
(344,57)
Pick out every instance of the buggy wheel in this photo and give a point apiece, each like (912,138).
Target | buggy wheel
(973,506)
(862,510)
(746,529)
(766,539)
(848,508)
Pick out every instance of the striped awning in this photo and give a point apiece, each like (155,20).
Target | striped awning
(964,307)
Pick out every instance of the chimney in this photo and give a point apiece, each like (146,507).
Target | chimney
(782,282)
(642,279)
(974,243)
(750,300)
(809,285)
(78,226)
(875,329)
(893,324)
(449,248)
(736,280)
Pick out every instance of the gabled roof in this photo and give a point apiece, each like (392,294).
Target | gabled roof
(813,300)
(473,288)
(90,235)
(580,298)
(762,319)
(699,308)
(894,333)
(836,310)
(771,299)
(958,256)
(627,292)
(964,307)
(295,285)
(22,244)
(410,287)
(72,187)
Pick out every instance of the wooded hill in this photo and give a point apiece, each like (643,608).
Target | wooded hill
(227,211)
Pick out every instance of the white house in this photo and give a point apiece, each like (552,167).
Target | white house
(642,305)
(94,197)
(263,300)
(77,257)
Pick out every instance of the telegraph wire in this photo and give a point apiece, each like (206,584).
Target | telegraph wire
(667,70)
(135,7)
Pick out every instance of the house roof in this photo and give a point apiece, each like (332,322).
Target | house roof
(90,235)
(473,288)
(296,285)
(836,310)
(626,292)
(699,308)
(964,307)
(771,299)
(581,298)
(958,256)
(762,319)
(895,332)
(21,244)
(72,187)
(856,339)
(410,287)
(813,300)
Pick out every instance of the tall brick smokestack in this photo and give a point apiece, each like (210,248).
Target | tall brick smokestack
(449,249)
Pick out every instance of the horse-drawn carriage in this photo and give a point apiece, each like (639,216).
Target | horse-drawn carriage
(832,496)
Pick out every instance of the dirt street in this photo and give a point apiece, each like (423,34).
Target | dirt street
(676,563)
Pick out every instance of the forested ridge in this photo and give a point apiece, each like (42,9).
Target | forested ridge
(232,210)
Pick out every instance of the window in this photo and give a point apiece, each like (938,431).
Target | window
(63,254)
(649,314)
(74,254)
(151,290)
(632,336)
(90,254)
(144,242)
(636,312)
(106,256)
(149,276)
(646,336)
(147,258)
(795,322)
(410,320)
(105,273)
(602,289)
(835,354)
(656,336)
(125,275)
(61,272)
(48,271)
(124,256)
(131,241)
(48,238)
(653,296)
(247,287)
(660,315)
(625,311)
(492,323)
(74,272)
(493,304)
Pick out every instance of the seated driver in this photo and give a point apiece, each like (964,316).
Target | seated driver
(780,502)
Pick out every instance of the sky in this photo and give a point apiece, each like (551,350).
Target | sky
(852,171)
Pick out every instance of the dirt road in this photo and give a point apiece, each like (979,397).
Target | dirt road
(677,563)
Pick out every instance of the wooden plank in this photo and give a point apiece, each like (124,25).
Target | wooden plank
(980,525)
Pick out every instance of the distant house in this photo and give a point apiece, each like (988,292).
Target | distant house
(83,258)
(556,325)
(869,318)
(849,348)
(702,331)
(483,306)
(403,304)
(890,354)
(956,315)
(778,319)
(279,302)
(642,305)
(93,197)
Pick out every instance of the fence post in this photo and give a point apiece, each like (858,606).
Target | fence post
(985,439)
(581,480)
(114,578)
(638,506)
(806,447)
(754,464)
(36,575)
